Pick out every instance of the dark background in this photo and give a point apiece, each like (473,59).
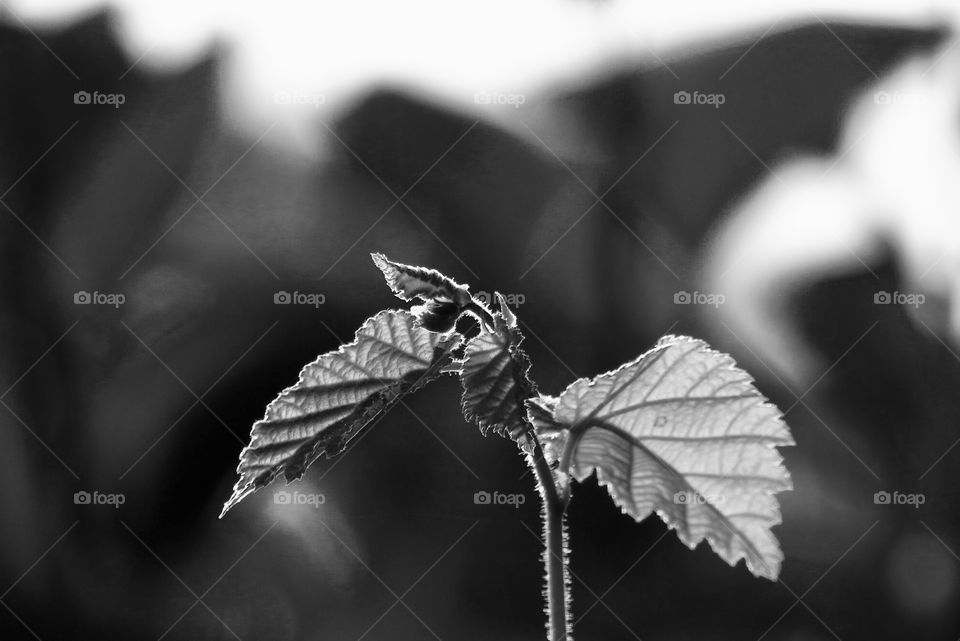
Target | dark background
(113,405)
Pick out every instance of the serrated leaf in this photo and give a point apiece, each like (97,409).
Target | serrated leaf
(682,431)
(409,282)
(337,395)
(551,434)
(496,381)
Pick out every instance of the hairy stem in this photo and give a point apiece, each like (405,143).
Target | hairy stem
(557,590)
(555,548)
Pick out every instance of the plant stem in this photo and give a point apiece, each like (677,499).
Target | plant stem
(555,549)
(554,499)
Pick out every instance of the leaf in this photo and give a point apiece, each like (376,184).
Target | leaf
(682,431)
(552,435)
(496,380)
(409,282)
(437,316)
(508,316)
(337,395)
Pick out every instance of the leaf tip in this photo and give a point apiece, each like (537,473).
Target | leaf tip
(508,316)
(239,493)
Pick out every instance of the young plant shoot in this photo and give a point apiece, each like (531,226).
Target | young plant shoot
(680,430)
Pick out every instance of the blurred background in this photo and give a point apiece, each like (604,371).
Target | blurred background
(781,179)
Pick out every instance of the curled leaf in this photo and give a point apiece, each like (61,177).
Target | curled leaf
(409,282)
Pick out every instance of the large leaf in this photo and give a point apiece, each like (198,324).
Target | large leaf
(682,431)
(495,377)
(337,395)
